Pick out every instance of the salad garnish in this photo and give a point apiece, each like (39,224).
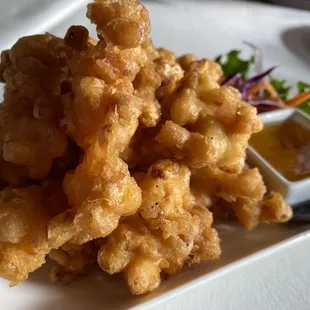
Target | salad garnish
(264,91)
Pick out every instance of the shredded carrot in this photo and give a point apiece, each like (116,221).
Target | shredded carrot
(266,85)
(299,99)
(270,89)
(254,97)
(255,89)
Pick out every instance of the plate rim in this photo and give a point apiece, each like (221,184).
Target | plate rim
(221,271)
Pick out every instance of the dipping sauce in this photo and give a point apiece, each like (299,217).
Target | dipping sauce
(286,146)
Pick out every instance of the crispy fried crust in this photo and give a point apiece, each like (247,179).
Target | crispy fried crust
(169,230)
(24,215)
(113,152)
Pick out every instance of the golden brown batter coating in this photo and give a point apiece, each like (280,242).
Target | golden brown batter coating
(133,148)
(24,214)
(30,133)
(72,261)
(169,230)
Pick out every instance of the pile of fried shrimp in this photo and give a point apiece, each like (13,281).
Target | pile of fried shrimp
(118,154)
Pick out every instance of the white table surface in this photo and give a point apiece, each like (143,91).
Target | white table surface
(279,281)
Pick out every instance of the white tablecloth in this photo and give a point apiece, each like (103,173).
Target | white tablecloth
(280,281)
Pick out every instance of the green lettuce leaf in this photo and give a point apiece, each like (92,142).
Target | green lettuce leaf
(234,64)
(302,87)
(281,87)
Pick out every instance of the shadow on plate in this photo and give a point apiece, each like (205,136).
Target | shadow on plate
(297,40)
(95,291)
(100,291)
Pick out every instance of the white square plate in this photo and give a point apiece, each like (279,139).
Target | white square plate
(206,28)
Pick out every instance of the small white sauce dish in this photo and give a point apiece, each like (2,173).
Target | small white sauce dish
(294,192)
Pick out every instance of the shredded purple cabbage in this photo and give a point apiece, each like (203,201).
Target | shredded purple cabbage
(266,103)
(259,67)
(236,81)
(243,86)
(254,80)
(233,79)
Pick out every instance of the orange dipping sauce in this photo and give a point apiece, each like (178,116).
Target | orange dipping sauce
(286,146)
